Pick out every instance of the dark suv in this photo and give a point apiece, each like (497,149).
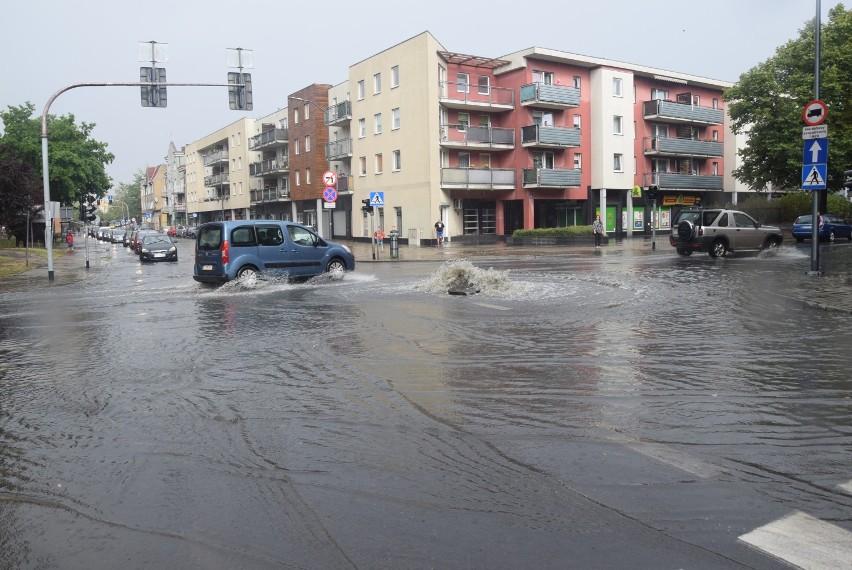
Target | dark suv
(718,231)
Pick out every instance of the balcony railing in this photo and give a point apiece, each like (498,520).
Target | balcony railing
(180,207)
(665,146)
(269,194)
(672,181)
(338,113)
(552,177)
(542,135)
(270,166)
(669,111)
(214,157)
(217,179)
(550,96)
(478,178)
(469,96)
(336,150)
(464,136)
(271,138)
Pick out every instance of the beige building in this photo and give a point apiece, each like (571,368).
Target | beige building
(217,173)
(153,197)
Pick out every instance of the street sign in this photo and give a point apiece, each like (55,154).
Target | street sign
(329,205)
(329,178)
(813,176)
(329,194)
(377,198)
(814,113)
(815,132)
(816,152)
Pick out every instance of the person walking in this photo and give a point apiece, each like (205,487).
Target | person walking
(69,239)
(597,228)
(439,231)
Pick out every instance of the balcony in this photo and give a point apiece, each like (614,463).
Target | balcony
(478,178)
(268,194)
(552,177)
(343,185)
(466,96)
(665,146)
(338,114)
(671,112)
(179,207)
(549,96)
(672,181)
(270,167)
(273,138)
(217,180)
(550,137)
(338,150)
(216,157)
(485,138)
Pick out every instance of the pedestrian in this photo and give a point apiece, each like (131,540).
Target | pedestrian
(379,234)
(439,231)
(597,227)
(69,239)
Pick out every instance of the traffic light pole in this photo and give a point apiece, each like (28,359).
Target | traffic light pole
(48,230)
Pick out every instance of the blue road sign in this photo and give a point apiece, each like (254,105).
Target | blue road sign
(816,152)
(377,198)
(330,194)
(813,176)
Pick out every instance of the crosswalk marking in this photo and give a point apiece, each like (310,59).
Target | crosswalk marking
(804,541)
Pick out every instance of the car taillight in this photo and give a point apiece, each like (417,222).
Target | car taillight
(225,252)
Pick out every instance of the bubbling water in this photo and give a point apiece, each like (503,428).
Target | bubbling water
(461,272)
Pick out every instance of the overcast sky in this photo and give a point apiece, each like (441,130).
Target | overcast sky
(49,44)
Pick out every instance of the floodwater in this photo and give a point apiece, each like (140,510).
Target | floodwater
(587,409)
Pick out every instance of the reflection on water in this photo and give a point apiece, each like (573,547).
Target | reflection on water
(201,425)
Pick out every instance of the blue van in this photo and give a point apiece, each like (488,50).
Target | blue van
(227,250)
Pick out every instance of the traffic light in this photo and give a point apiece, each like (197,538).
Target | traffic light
(239,91)
(82,207)
(367,207)
(652,193)
(153,95)
(90,208)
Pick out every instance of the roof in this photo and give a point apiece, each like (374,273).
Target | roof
(473,60)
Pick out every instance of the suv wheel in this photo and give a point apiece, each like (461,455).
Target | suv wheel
(684,251)
(686,230)
(718,248)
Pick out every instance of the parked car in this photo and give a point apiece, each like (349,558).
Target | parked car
(248,248)
(137,240)
(191,232)
(831,227)
(157,247)
(719,231)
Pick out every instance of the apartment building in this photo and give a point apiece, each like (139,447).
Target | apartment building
(152,196)
(175,191)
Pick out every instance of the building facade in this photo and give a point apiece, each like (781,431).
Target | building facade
(152,196)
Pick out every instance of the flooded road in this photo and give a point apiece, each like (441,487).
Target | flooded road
(610,409)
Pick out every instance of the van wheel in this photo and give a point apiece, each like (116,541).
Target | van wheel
(248,275)
(718,248)
(336,268)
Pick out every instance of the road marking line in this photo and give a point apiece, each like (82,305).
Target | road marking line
(676,459)
(805,541)
(846,487)
(498,307)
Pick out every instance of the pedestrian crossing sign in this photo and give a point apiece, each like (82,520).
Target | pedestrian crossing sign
(377,198)
(813,176)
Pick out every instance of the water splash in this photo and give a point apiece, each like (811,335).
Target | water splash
(462,273)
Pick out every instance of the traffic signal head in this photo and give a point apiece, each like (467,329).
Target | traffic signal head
(652,192)
(367,207)
(89,212)
(239,91)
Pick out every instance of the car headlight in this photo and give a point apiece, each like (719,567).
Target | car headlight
(145,250)
(172,249)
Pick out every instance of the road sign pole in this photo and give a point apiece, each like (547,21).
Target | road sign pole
(816,193)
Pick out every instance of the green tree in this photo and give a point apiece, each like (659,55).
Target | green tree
(130,193)
(76,161)
(767,104)
(20,189)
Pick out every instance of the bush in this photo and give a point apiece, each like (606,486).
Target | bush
(797,203)
(568,231)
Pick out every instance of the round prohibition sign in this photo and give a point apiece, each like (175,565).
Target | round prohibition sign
(329,178)
(329,194)
(814,113)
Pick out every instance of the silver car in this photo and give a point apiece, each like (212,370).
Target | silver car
(719,231)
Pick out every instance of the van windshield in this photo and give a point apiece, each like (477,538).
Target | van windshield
(210,237)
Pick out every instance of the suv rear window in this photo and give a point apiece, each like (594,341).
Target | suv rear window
(697,217)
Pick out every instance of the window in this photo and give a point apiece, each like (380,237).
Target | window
(394,76)
(578,161)
(397,160)
(715,102)
(377,123)
(616,125)
(462,83)
(576,121)
(484,85)
(362,128)
(296,146)
(576,82)
(378,163)
(307,176)
(616,87)
(362,166)
(617,162)
(715,135)
(545,77)
(484,121)
(360,90)
(715,169)
(484,160)
(395,119)
(659,94)
(464,160)
(298,178)
(296,116)
(307,143)
(544,160)
(377,84)
(464,122)
(307,111)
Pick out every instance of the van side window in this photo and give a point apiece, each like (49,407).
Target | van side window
(243,236)
(269,235)
(300,236)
